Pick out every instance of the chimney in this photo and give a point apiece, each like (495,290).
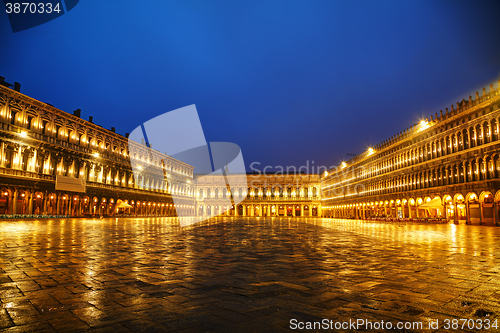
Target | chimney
(91,119)
(126,135)
(17,86)
(113,130)
(3,83)
(77,112)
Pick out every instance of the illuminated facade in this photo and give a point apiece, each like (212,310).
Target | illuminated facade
(263,195)
(55,163)
(446,167)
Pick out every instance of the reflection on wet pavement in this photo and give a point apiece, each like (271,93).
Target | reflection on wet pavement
(240,275)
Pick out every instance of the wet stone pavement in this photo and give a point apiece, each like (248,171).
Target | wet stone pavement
(241,275)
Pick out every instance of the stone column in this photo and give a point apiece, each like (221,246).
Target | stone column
(495,207)
(2,155)
(30,203)
(14,202)
(70,204)
(58,204)
(467,212)
(44,204)
(301,210)
(455,213)
(481,211)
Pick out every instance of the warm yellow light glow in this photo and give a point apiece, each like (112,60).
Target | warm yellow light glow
(370,151)
(96,154)
(23,134)
(423,125)
(344,164)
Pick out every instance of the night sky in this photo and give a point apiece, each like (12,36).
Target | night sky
(288,81)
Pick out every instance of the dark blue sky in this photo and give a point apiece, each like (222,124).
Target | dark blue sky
(288,81)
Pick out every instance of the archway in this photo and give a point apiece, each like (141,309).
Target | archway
(297,210)
(37,203)
(5,202)
(86,205)
(281,210)
(22,202)
(64,205)
(273,210)
(461,211)
(449,208)
(111,207)
(486,201)
(75,206)
(103,207)
(474,211)
(51,204)
(94,209)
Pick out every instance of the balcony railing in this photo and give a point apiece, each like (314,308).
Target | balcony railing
(26,174)
(136,189)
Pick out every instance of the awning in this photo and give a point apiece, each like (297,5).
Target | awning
(122,204)
(434,203)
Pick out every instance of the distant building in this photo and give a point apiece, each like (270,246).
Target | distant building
(265,195)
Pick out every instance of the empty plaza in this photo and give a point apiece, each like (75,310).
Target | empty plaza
(242,274)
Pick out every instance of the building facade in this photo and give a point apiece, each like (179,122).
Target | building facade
(55,163)
(260,194)
(444,167)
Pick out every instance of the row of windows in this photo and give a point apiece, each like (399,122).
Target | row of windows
(48,164)
(96,142)
(471,137)
(483,168)
(260,192)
